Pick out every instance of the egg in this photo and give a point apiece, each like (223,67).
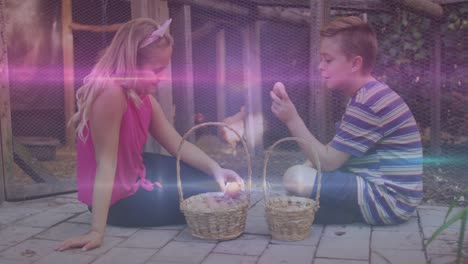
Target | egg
(299,180)
(233,189)
(279,89)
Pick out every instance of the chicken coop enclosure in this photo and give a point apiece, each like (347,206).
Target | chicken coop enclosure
(227,56)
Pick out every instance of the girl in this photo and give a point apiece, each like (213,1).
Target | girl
(121,185)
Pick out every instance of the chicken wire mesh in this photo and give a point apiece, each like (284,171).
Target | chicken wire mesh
(405,62)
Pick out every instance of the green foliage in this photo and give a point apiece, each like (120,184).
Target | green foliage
(462,216)
(401,38)
(405,57)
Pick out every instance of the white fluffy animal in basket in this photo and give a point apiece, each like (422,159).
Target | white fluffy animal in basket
(299,180)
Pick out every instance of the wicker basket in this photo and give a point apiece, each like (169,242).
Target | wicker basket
(219,223)
(290,217)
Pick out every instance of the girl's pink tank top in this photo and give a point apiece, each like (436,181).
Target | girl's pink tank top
(130,172)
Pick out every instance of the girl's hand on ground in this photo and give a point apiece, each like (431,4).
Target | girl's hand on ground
(225,175)
(91,240)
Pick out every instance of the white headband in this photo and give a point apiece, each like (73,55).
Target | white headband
(157,33)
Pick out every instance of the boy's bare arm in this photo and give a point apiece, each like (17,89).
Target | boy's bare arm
(330,158)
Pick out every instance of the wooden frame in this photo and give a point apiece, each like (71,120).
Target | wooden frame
(182,67)
(6,161)
(317,97)
(277,10)
(68,70)
(221,75)
(253,83)
(436,85)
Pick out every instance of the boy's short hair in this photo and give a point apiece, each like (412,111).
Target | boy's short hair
(357,39)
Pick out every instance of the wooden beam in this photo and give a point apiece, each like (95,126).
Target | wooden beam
(283,14)
(269,9)
(197,34)
(278,14)
(96,28)
(253,83)
(368,5)
(436,30)
(68,70)
(424,7)
(182,69)
(6,154)
(449,2)
(221,75)
(159,11)
(317,100)
(20,192)
(204,30)
(217,5)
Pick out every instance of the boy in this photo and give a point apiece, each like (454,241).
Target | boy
(373,165)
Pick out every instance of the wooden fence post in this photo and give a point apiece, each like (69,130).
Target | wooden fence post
(6,143)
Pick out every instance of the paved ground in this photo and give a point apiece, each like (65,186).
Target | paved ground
(30,230)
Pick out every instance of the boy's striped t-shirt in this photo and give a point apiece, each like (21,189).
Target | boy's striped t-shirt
(380,132)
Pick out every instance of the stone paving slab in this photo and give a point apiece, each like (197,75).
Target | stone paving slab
(217,258)
(447,234)
(15,234)
(63,231)
(31,229)
(443,259)
(126,256)
(385,256)
(109,243)
(29,250)
(433,216)
(149,239)
(66,257)
(251,245)
(183,252)
(411,225)
(312,240)
(45,219)
(280,254)
(444,247)
(70,208)
(338,261)
(256,225)
(3,248)
(6,261)
(11,214)
(186,236)
(83,218)
(345,242)
(396,240)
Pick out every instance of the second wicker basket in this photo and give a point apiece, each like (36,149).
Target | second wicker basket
(290,217)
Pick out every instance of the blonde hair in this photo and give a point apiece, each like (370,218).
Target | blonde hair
(120,61)
(357,38)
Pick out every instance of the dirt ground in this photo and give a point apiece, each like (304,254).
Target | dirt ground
(443,184)
(62,167)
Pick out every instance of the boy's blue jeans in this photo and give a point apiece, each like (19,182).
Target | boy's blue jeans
(338,199)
